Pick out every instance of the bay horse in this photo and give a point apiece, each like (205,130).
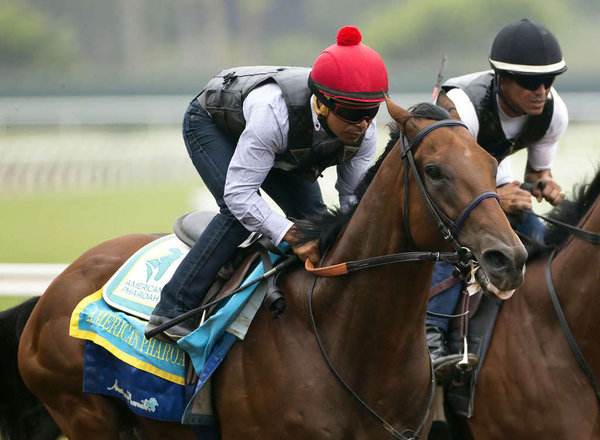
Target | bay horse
(370,324)
(531,384)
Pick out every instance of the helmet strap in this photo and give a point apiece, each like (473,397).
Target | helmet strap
(320,108)
(322,111)
(502,97)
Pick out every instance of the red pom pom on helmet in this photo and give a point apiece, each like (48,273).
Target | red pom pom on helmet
(349,70)
(349,36)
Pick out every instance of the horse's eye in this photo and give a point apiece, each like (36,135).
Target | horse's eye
(433,172)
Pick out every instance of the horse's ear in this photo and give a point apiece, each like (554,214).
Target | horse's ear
(397,113)
(446,103)
(400,115)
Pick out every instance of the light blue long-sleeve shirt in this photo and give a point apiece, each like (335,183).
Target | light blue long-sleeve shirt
(265,135)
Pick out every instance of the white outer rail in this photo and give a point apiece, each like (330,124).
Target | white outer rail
(27,279)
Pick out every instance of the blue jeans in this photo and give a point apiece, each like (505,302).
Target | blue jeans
(211,150)
(446,301)
(531,226)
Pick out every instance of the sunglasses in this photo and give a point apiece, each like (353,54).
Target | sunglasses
(532,83)
(353,115)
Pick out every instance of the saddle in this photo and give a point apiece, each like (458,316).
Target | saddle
(253,250)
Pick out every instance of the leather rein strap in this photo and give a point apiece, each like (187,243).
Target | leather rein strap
(407,434)
(590,237)
(567,331)
(351,266)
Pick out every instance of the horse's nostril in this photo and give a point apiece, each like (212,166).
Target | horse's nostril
(495,259)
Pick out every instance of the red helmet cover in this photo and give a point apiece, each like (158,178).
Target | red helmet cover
(350,70)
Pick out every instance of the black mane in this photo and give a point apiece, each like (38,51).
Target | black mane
(326,227)
(572,211)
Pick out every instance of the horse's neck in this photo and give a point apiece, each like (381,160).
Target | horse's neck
(386,300)
(575,277)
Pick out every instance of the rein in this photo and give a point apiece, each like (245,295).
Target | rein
(278,268)
(461,258)
(407,434)
(590,237)
(567,331)
(351,266)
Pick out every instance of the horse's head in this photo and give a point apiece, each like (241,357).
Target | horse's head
(458,178)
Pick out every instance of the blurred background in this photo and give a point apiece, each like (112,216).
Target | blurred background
(92,95)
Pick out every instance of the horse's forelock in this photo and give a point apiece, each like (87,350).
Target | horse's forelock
(429,111)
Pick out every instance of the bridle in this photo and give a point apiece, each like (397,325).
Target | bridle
(462,258)
(448,228)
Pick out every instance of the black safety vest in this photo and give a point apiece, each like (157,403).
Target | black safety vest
(226,92)
(481,90)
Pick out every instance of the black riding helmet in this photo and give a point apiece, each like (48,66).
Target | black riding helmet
(526,48)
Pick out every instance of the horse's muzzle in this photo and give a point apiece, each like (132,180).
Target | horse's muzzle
(503,270)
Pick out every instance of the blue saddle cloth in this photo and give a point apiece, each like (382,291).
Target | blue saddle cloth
(150,375)
(145,393)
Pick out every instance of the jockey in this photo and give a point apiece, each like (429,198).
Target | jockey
(275,129)
(510,107)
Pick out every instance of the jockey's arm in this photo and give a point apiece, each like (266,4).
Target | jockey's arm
(541,154)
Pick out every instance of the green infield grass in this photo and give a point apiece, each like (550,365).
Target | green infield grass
(58,227)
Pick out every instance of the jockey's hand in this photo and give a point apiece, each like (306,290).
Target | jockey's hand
(513,199)
(548,190)
(306,250)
